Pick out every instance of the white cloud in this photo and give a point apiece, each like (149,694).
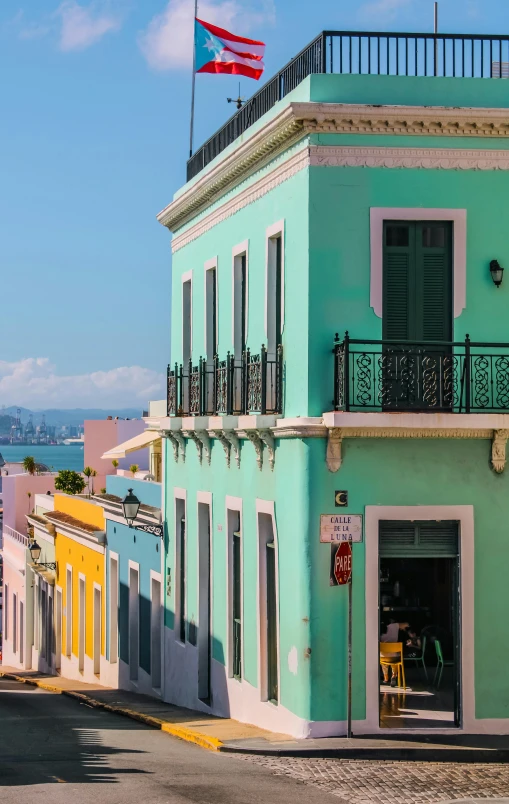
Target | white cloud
(167,43)
(82,26)
(383,10)
(34,382)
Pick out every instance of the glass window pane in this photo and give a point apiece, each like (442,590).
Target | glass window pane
(396,236)
(433,236)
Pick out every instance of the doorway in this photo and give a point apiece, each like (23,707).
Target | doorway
(204,607)
(419,615)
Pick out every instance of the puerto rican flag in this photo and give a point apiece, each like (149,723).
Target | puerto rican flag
(218,51)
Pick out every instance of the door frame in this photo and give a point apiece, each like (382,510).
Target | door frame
(464,515)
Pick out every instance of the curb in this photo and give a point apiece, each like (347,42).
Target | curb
(438,755)
(188,735)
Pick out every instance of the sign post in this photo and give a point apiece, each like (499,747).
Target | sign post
(341,574)
(349,694)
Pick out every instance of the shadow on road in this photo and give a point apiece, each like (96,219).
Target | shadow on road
(47,738)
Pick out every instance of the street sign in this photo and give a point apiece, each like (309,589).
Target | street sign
(340,528)
(341,564)
(340,498)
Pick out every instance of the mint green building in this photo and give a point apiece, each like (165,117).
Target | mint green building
(364,190)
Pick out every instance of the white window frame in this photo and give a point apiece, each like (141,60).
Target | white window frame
(274,232)
(6,612)
(210,265)
(458,217)
(204,498)
(234,505)
(82,620)
(238,251)
(68,610)
(266,507)
(180,495)
(97,628)
(187,277)
(113,611)
(133,678)
(158,578)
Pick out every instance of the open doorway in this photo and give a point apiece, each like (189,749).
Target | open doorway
(419,625)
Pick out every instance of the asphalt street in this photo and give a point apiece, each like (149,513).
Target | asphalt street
(52,746)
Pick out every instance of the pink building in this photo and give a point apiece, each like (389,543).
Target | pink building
(17,504)
(101,436)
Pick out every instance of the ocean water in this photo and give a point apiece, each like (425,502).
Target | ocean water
(58,457)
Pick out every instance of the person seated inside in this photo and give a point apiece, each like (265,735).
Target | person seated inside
(390,632)
(413,645)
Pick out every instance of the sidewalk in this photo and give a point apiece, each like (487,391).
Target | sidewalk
(228,735)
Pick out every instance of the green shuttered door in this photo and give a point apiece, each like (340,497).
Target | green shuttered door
(418,539)
(417,281)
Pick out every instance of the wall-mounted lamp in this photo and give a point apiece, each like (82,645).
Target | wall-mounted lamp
(497,272)
(131,505)
(35,552)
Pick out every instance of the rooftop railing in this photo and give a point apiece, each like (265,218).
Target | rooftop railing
(15,535)
(230,387)
(437,376)
(365,53)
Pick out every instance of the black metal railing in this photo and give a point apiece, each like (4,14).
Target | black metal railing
(230,387)
(447,376)
(358,52)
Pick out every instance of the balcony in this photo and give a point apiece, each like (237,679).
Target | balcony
(363,53)
(435,377)
(230,387)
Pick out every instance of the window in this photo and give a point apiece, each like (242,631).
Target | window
(81,625)
(134,623)
(113,613)
(97,630)
(182,579)
(211,313)
(68,613)
(58,633)
(155,633)
(268,597)
(14,623)
(21,630)
(186,320)
(6,612)
(239,304)
(204,608)
(274,293)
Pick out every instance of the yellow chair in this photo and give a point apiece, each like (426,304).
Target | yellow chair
(391,655)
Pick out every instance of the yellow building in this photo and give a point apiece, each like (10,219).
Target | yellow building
(80,588)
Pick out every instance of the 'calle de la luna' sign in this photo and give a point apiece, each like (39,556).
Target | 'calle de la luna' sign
(340,528)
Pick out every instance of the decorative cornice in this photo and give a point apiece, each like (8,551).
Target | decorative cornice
(430,158)
(300,431)
(298,120)
(270,181)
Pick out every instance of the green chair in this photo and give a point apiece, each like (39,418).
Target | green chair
(440,664)
(419,660)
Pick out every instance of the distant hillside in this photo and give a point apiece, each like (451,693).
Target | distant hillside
(72,416)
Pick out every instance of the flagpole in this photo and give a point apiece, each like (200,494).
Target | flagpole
(191,127)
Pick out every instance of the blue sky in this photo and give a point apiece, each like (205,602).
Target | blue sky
(93,141)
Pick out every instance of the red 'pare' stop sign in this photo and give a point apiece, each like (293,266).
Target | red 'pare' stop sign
(343,564)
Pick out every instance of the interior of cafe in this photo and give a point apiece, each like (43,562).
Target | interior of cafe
(419,673)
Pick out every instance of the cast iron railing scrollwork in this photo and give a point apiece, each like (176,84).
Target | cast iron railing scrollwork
(252,383)
(444,376)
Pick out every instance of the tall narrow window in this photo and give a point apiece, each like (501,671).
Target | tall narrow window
(58,629)
(155,633)
(272,652)
(204,608)
(186,321)
(81,625)
(113,612)
(21,630)
(237,605)
(14,623)
(6,612)
(239,305)
(97,631)
(44,623)
(274,295)
(68,613)
(211,313)
(134,623)
(182,581)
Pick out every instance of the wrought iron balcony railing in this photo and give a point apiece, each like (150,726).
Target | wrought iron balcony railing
(231,387)
(453,377)
(359,52)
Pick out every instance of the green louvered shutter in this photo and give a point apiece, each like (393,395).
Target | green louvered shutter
(398,281)
(418,539)
(434,281)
